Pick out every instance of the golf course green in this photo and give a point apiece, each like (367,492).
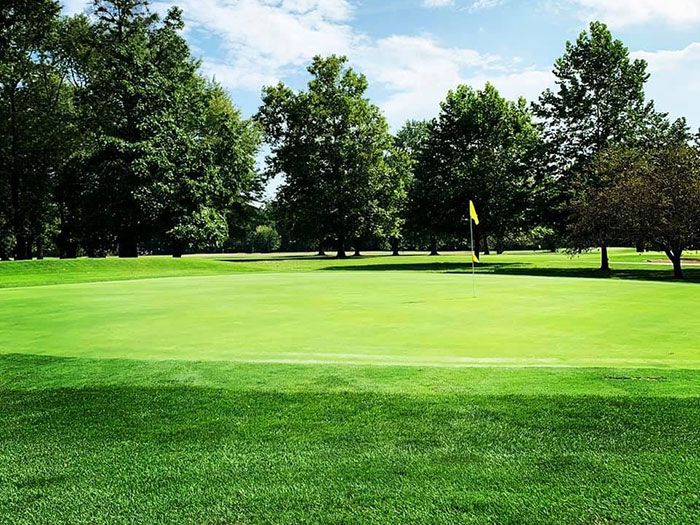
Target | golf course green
(294,389)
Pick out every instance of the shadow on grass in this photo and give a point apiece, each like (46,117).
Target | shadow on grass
(302,257)
(129,453)
(660,273)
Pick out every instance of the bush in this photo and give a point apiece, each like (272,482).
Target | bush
(265,239)
(545,238)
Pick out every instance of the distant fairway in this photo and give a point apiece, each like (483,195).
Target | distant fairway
(373,390)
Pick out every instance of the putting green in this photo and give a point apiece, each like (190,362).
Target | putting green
(361,317)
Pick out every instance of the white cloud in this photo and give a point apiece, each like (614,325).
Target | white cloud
(478,5)
(675,80)
(72,7)
(665,61)
(437,3)
(417,72)
(618,13)
(262,41)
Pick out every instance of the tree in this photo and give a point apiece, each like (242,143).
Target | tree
(393,199)
(657,197)
(167,156)
(211,171)
(598,103)
(265,239)
(138,76)
(412,136)
(481,148)
(594,210)
(409,140)
(34,100)
(333,148)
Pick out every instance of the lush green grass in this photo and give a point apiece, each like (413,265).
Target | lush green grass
(245,391)
(105,441)
(361,317)
(626,264)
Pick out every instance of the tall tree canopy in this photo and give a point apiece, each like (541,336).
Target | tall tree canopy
(481,148)
(34,101)
(334,150)
(598,102)
(654,197)
(166,154)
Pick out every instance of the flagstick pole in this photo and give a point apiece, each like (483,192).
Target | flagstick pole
(471,236)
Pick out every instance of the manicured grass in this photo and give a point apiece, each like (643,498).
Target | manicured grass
(372,390)
(626,264)
(361,317)
(105,441)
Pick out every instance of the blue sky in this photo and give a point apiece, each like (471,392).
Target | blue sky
(413,51)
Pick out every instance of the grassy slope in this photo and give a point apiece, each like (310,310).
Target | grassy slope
(626,265)
(94,440)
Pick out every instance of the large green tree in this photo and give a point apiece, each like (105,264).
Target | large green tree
(167,155)
(139,79)
(598,102)
(334,150)
(657,199)
(212,175)
(483,148)
(34,108)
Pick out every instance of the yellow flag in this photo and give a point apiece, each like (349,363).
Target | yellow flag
(472,213)
(475,259)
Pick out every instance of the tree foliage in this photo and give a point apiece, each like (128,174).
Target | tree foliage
(598,103)
(334,150)
(657,198)
(481,148)
(114,138)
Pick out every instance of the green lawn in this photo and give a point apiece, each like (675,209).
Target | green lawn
(373,390)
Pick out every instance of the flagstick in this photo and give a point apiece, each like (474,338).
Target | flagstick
(471,236)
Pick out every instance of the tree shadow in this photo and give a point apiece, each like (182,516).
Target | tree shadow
(300,257)
(657,273)
(273,258)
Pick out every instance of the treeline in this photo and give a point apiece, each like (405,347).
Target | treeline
(114,142)
(590,164)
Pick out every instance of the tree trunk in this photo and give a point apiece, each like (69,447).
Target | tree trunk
(321,251)
(486,246)
(639,245)
(177,250)
(500,248)
(39,249)
(604,260)
(21,247)
(395,246)
(68,250)
(128,246)
(341,247)
(357,248)
(677,264)
(433,246)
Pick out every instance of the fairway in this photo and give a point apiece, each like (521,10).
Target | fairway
(373,390)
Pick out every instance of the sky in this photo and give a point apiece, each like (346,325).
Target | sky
(414,51)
